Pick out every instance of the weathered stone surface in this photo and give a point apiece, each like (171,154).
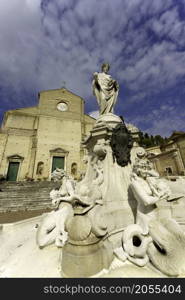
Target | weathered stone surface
(15,196)
(85,261)
(167,250)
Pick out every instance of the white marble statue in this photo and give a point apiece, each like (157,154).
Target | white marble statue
(52,227)
(134,246)
(147,190)
(57,174)
(166,252)
(105,88)
(71,198)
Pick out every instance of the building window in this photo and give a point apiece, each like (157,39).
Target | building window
(58,162)
(13,169)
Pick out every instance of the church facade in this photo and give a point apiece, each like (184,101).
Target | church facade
(36,140)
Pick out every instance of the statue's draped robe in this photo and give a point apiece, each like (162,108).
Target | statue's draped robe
(106,92)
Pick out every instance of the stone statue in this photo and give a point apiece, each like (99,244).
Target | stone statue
(135,245)
(52,227)
(72,198)
(57,174)
(166,252)
(163,246)
(105,88)
(147,190)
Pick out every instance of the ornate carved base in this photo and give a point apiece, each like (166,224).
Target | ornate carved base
(108,133)
(86,260)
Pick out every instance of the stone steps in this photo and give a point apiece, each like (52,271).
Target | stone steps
(25,185)
(26,194)
(16,196)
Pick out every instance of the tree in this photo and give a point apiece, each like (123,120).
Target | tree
(146,140)
(159,140)
(152,140)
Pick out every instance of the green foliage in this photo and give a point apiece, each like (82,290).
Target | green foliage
(146,140)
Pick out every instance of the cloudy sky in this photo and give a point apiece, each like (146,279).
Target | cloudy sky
(44,43)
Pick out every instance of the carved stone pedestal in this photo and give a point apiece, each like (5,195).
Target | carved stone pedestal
(87,252)
(80,260)
(100,202)
(115,170)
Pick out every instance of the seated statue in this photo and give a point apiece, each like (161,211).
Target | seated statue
(105,88)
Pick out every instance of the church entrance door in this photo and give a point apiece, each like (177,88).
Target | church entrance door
(58,162)
(12,171)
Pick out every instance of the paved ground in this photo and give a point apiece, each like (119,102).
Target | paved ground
(10,217)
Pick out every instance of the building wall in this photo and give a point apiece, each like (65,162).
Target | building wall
(34,135)
(88,124)
(3,138)
(3,141)
(154,150)
(20,120)
(172,156)
(181,146)
(17,143)
(165,161)
(53,134)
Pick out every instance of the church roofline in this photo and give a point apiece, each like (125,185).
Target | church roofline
(176,134)
(18,109)
(62,89)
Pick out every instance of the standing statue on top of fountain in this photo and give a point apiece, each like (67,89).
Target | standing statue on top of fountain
(105,88)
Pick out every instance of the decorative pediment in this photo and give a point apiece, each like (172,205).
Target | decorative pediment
(58,150)
(15,157)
